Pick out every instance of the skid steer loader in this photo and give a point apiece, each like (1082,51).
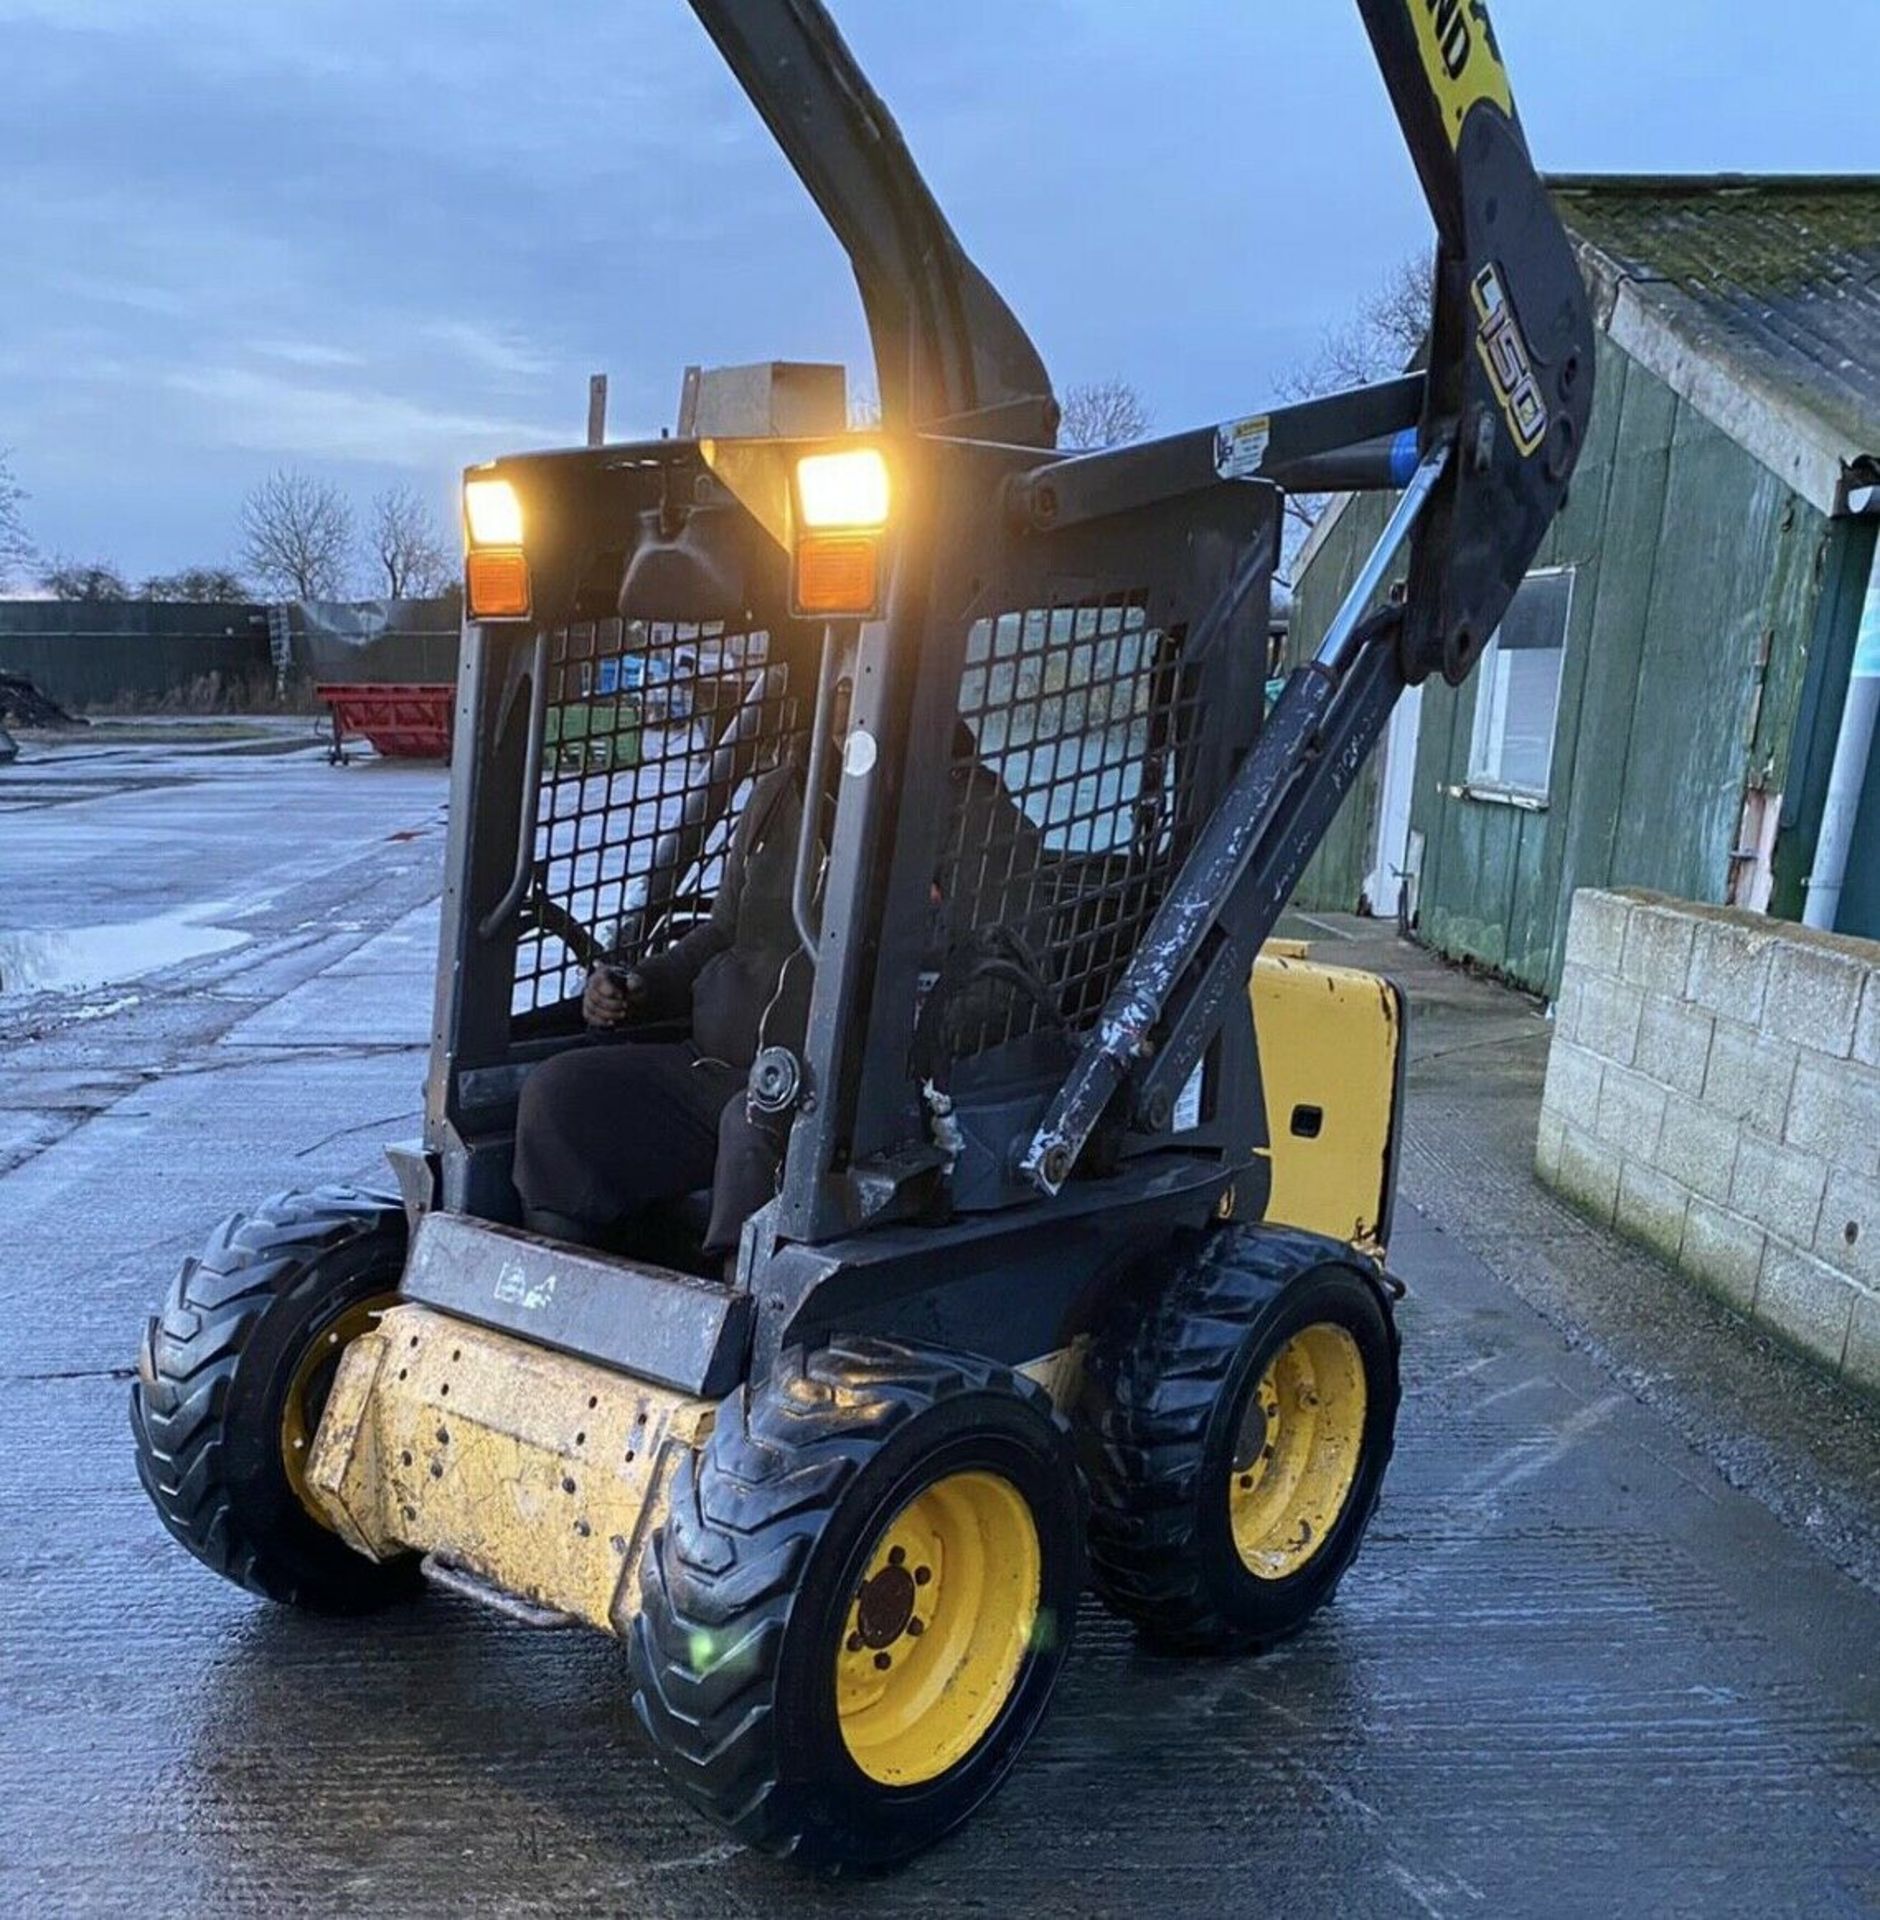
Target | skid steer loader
(1075,1267)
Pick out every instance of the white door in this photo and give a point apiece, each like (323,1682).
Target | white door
(1390,855)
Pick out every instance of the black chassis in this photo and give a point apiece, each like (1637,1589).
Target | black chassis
(1082,1178)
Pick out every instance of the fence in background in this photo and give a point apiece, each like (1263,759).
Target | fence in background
(104,653)
(143,653)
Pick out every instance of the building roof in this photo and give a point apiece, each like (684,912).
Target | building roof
(1755,298)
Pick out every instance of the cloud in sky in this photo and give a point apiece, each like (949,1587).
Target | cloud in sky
(292,420)
(385,241)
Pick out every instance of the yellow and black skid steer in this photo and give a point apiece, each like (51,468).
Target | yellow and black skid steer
(1074,1270)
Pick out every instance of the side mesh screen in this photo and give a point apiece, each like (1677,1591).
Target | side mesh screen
(1071,814)
(651,738)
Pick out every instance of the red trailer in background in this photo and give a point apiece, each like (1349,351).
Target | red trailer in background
(408,722)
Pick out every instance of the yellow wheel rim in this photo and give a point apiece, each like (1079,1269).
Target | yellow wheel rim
(1297,1453)
(938,1628)
(307,1392)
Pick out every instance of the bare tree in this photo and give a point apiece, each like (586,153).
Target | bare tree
(864,409)
(16,549)
(1385,335)
(407,547)
(1103,413)
(297,536)
(1380,340)
(84,580)
(196,583)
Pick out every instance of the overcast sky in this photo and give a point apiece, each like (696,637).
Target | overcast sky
(378,241)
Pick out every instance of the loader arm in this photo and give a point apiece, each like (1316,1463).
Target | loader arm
(947,347)
(1504,416)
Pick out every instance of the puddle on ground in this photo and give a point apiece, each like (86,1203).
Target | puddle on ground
(75,957)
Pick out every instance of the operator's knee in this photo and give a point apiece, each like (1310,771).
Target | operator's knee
(602,1132)
(556,1127)
(745,1177)
(551,1097)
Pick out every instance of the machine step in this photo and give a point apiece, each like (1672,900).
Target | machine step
(472,1586)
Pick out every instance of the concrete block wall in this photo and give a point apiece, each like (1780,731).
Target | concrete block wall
(1713,1091)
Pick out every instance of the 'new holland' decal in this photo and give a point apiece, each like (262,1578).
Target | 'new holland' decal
(1461,58)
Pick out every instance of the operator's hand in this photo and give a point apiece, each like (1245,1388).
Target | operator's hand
(612,999)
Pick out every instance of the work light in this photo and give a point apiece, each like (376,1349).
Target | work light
(842,503)
(849,491)
(496,570)
(493,513)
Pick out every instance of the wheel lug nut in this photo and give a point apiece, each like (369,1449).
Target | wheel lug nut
(883,1662)
(1246,1479)
(855,1643)
(922,1575)
(917,1628)
(896,1555)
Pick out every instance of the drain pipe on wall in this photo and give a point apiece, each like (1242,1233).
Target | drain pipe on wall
(1852,750)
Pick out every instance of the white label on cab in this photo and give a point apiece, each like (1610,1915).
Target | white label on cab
(1240,446)
(1188,1107)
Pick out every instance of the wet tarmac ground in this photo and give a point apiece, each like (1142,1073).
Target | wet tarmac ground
(1594,1660)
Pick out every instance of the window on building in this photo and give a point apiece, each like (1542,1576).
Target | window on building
(1517,699)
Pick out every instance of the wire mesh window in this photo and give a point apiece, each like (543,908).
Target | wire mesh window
(1072,813)
(652,739)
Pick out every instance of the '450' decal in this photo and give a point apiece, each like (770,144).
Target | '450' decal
(1510,367)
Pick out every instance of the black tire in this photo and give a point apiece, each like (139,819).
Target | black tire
(746,1592)
(213,1380)
(1166,1388)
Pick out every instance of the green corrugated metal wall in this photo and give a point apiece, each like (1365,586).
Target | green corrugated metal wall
(1694,600)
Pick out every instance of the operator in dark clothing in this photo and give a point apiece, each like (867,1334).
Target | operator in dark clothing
(606,1130)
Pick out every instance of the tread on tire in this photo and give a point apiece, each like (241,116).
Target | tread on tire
(746,1587)
(1163,1388)
(212,1377)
